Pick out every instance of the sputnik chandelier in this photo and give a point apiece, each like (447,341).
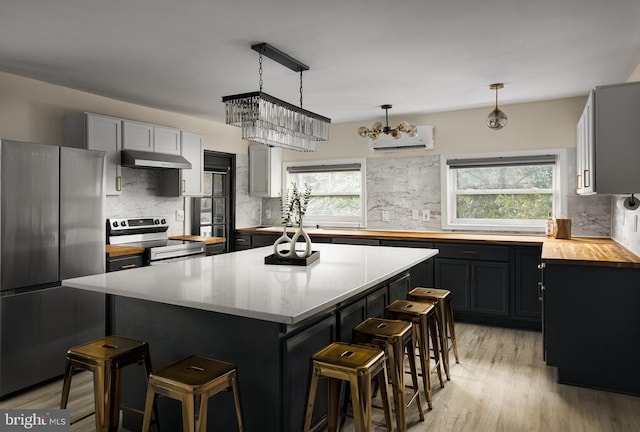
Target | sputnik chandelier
(274,122)
(377,128)
(496,119)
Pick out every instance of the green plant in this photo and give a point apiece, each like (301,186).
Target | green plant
(295,204)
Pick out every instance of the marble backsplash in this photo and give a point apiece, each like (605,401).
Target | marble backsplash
(626,224)
(142,196)
(248,209)
(400,185)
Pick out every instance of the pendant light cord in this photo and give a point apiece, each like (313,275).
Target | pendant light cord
(300,88)
(260,82)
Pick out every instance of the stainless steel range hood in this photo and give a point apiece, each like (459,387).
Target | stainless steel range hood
(142,159)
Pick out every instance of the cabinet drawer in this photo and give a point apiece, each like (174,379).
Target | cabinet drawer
(125,262)
(243,241)
(473,252)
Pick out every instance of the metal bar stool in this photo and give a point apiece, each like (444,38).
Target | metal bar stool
(357,365)
(444,312)
(393,337)
(423,318)
(105,358)
(193,381)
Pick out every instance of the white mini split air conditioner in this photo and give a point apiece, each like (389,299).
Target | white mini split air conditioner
(423,141)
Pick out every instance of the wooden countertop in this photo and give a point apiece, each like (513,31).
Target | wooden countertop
(588,251)
(118,250)
(206,240)
(575,251)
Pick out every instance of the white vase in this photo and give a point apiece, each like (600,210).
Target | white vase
(307,241)
(284,238)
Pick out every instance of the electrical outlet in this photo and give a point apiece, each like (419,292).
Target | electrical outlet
(179,215)
(426,215)
(385,216)
(415,215)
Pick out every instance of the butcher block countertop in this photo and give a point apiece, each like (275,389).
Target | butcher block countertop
(206,240)
(576,251)
(118,250)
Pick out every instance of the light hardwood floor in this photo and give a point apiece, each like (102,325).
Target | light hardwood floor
(500,385)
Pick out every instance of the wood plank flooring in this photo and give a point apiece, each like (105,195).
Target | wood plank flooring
(500,385)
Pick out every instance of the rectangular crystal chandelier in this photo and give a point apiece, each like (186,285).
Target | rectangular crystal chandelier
(272,121)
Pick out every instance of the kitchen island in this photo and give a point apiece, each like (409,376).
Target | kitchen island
(267,319)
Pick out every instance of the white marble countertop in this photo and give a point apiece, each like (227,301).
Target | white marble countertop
(239,283)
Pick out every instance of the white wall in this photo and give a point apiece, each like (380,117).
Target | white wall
(538,125)
(33,111)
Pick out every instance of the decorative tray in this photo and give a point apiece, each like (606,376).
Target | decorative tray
(274,259)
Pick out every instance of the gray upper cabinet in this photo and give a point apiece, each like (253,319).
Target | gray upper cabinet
(265,171)
(186,182)
(608,136)
(98,132)
(137,136)
(150,138)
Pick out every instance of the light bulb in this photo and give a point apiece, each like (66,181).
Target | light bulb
(403,126)
(363,131)
(395,133)
(413,131)
(377,127)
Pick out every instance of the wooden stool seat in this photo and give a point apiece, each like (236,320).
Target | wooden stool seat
(357,365)
(393,337)
(444,313)
(193,380)
(105,358)
(423,319)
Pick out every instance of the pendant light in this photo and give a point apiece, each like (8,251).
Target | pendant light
(377,128)
(496,119)
(271,121)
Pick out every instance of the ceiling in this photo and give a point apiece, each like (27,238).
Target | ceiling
(421,56)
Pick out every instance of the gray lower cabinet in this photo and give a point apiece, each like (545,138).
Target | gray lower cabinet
(478,277)
(296,354)
(124,262)
(527,304)
(592,326)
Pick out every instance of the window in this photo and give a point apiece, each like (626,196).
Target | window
(507,193)
(337,192)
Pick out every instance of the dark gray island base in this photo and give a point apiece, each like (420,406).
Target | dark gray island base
(272,358)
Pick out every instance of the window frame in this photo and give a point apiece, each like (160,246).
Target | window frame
(331,221)
(448,195)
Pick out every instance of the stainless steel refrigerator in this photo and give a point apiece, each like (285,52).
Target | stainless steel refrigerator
(51,228)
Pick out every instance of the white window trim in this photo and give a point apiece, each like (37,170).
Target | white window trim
(308,221)
(560,188)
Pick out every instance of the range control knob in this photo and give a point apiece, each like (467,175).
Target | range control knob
(156,222)
(123,223)
(115,224)
(164,221)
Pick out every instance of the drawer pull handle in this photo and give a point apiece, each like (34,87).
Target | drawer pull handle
(469,252)
(128,266)
(241,240)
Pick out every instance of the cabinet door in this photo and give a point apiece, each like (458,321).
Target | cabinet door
(166,140)
(376,302)
(585,150)
(265,171)
(527,275)
(349,317)
(297,352)
(191,179)
(490,287)
(137,136)
(399,288)
(105,134)
(453,275)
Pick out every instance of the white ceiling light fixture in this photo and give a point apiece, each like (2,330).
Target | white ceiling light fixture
(274,122)
(376,129)
(496,119)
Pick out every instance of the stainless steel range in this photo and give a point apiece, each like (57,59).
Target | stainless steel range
(150,233)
